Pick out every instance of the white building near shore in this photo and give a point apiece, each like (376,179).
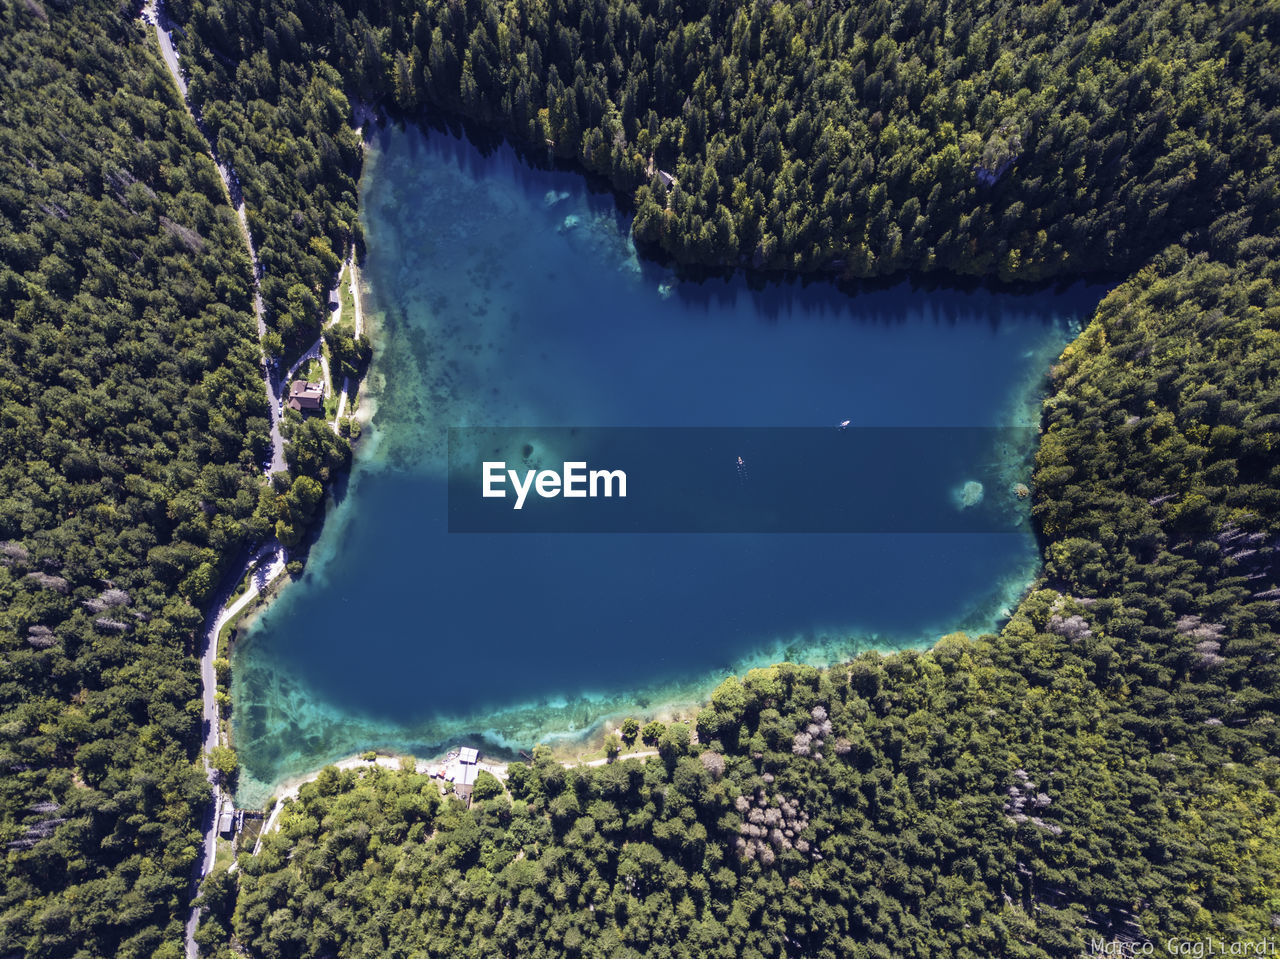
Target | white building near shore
(463,770)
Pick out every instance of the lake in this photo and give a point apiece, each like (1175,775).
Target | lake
(507,296)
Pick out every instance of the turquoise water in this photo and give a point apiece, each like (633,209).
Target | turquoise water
(502,295)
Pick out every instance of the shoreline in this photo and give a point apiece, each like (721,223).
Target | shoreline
(290,789)
(575,724)
(551,722)
(438,119)
(580,746)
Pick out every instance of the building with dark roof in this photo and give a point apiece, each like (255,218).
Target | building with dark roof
(307,397)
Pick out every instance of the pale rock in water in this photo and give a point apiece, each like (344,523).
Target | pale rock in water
(970,494)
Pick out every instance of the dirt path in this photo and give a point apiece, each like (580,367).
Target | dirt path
(350,270)
(223,611)
(154,15)
(155,18)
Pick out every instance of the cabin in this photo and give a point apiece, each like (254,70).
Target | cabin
(464,773)
(667,180)
(461,769)
(306,397)
(227,821)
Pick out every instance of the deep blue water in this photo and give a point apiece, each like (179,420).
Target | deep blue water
(508,296)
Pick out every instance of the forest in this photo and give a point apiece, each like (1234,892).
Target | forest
(132,420)
(1010,141)
(1104,766)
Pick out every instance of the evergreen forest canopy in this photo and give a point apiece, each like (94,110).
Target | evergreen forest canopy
(1103,769)
(1105,766)
(131,420)
(1019,142)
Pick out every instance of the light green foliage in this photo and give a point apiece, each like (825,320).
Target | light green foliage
(674,741)
(224,760)
(486,787)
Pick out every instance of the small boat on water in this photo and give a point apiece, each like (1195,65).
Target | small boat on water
(844,424)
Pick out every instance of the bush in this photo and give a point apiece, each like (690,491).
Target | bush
(652,732)
(487,786)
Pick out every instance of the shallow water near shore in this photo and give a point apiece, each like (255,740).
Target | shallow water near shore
(502,295)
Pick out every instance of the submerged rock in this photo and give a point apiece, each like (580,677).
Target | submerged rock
(969,495)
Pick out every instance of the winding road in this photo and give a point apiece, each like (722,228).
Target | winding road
(266,572)
(270,561)
(154,15)
(222,613)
